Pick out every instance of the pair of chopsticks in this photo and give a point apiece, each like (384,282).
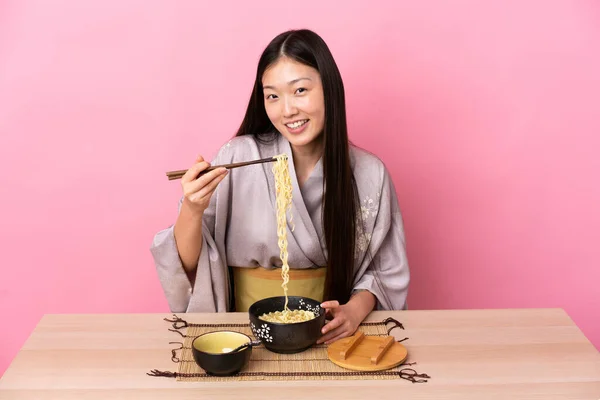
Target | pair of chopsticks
(172,175)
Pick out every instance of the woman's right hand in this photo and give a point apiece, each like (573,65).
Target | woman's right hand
(198,191)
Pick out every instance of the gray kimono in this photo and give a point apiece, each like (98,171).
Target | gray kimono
(240,229)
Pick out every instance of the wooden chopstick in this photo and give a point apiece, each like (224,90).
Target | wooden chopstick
(172,175)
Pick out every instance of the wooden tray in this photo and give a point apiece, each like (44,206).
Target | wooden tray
(367,353)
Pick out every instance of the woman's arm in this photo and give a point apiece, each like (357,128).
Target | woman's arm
(188,227)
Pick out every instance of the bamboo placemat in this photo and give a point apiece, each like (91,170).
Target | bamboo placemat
(311,364)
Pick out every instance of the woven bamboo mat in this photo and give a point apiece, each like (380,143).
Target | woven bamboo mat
(311,364)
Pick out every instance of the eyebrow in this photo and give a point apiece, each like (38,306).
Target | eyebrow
(289,83)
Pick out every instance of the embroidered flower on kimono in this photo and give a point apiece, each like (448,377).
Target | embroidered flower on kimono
(369,207)
(368,210)
(363,241)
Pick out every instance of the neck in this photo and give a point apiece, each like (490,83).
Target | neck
(305,159)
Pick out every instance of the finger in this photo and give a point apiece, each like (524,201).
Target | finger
(209,177)
(198,184)
(327,337)
(193,172)
(330,308)
(208,190)
(330,304)
(333,324)
(199,158)
(336,338)
(331,334)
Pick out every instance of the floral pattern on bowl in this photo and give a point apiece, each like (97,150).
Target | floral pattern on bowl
(315,310)
(263,332)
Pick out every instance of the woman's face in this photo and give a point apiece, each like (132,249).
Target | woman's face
(293,96)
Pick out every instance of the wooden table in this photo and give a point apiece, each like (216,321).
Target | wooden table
(470,354)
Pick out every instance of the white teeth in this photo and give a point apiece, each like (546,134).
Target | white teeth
(297,124)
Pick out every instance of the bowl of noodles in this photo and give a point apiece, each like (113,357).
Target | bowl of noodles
(290,329)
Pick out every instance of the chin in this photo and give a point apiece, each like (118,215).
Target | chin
(298,142)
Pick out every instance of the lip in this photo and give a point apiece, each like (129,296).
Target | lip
(299,129)
(295,120)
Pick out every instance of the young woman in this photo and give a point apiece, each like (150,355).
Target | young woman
(347,248)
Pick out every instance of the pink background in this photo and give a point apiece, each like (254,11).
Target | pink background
(486,113)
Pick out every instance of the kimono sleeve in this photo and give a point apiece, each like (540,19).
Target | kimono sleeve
(209,292)
(387,273)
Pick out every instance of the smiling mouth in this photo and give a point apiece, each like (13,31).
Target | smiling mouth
(297,124)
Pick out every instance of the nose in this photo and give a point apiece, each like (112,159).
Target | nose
(289,107)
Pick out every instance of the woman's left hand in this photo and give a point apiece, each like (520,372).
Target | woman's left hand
(346,317)
(344,322)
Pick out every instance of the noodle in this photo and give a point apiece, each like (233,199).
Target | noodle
(288,316)
(283,191)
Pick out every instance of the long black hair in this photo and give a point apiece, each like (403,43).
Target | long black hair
(340,200)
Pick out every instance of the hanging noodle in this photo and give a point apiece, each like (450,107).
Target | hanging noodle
(283,191)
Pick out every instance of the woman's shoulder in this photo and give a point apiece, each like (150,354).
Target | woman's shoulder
(367,166)
(237,143)
(237,148)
